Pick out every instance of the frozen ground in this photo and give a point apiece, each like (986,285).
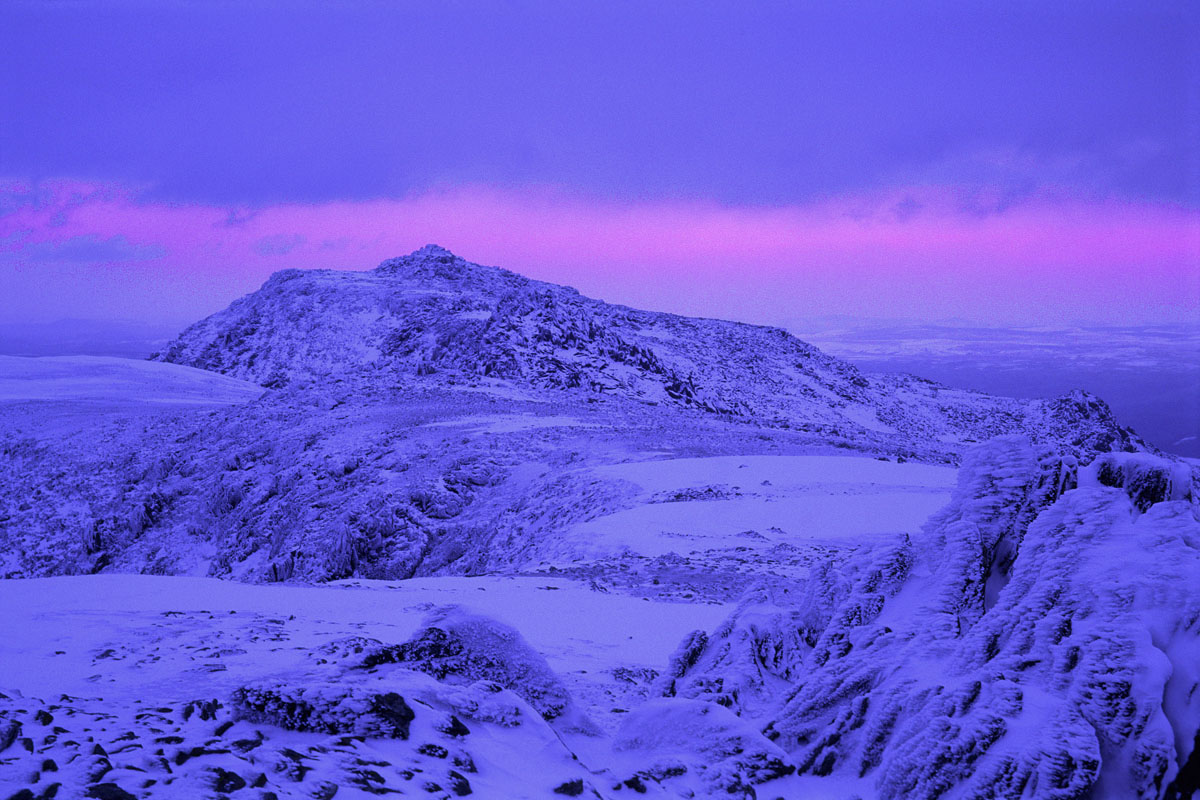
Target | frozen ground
(112,663)
(123,682)
(162,640)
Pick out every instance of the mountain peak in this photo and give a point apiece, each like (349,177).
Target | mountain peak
(437,264)
(431,317)
(429,261)
(432,251)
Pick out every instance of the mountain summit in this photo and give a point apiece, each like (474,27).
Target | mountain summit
(434,262)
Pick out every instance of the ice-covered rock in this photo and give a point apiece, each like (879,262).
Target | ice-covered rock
(328,708)
(1038,641)
(1146,479)
(303,735)
(729,755)
(463,648)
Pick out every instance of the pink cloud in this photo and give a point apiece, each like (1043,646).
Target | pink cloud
(918,251)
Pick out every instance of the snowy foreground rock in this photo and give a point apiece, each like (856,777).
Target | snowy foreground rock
(1038,640)
(442,531)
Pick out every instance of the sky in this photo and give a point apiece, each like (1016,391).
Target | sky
(1005,163)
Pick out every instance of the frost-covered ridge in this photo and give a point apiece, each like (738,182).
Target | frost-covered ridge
(1069,668)
(432,318)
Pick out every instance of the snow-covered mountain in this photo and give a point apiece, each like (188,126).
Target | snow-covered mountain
(355,461)
(430,317)
(535,545)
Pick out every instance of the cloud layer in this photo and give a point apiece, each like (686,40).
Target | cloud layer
(71,248)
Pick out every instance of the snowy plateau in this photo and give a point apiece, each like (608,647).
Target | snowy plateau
(438,530)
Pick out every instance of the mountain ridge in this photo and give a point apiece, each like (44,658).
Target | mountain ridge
(433,317)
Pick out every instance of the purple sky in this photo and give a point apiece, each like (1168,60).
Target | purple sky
(1000,162)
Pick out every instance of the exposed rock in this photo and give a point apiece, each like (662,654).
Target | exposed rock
(326,709)
(465,648)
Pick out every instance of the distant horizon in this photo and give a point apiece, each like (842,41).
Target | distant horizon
(85,251)
(857,321)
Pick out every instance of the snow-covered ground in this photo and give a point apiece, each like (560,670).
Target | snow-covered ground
(508,423)
(694,504)
(108,379)
(167,634)
(115,646)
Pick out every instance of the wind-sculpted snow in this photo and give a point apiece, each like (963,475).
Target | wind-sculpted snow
(909,671)
(733,756)
(466,648)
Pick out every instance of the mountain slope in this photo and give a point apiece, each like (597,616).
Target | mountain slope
(433,416)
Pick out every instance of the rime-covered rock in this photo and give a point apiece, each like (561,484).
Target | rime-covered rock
(326,708)
(463,648)
(730,755)
(1146,479)
(1039,640)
